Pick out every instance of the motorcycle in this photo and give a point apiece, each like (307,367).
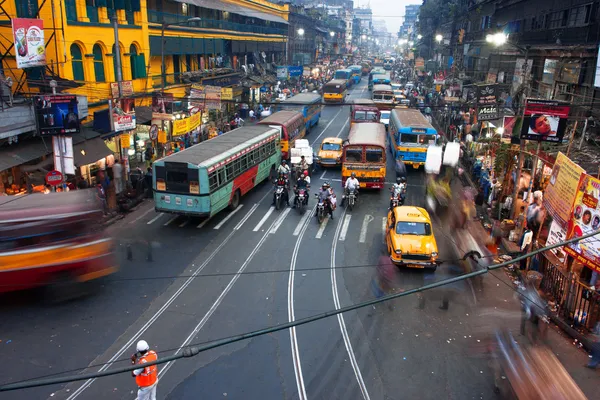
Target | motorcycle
(321,212)
(396,201)
(301,200)
(351,199)
(279,196)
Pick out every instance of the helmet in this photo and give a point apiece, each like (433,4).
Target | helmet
(325,184)
(353,174)
(305,173)
(283,162)
(398,180)
(403,180)
(142,346)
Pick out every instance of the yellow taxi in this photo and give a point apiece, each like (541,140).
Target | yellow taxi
(330,152)
(409,238)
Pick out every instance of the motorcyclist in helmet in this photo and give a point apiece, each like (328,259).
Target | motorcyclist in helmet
(351,184)
(327,196)
(398,190)
(303,182)
(283,168)
(282,180)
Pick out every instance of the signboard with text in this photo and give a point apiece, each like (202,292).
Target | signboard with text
(205,97)
(294,70)
(545,120)
(30,47)
(57,114)
(488,113)
(562,188)
(126,89)
(224,80)
(122,114)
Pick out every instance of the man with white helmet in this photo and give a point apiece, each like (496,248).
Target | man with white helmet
(145,377)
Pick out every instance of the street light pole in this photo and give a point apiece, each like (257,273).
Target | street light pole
(117,54)
(522,143)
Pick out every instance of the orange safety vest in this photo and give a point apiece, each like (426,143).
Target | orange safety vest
(149,375)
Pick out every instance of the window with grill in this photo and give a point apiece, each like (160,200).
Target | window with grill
(77,63)
(538,22)
(229,169)
(213,183)
(557,19)
(221,176)
(98,63)
(580,16)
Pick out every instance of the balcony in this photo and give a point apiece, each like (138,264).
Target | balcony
(173,19)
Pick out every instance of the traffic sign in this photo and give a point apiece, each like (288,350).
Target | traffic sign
(154,132)
(54,178)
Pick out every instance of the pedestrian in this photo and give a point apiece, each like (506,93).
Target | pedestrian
(118,176)
(524,243)
(145,377)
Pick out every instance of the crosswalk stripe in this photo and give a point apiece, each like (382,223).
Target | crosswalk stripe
(383,225)
(248,214)
(201,224)
(264,219)
(345,227)
(184,223)
(155,218)
(280,220)
(319,234)
(171,220)
(301,223)
(365,226)
(227,218)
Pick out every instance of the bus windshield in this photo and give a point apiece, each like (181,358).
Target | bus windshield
(383,96)
(365,116)
(427,139)
(409,138)
(333,88)
(354,154)
(374,154)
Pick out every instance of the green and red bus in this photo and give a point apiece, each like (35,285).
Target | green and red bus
(212,175)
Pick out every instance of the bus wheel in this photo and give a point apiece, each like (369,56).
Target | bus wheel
(235,200)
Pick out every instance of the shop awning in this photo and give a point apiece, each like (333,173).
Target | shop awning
(234,8)
(90,151)
(24,152)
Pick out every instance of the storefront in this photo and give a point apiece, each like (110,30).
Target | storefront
(93,155)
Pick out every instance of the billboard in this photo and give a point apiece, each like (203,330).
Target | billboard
(30,47)
(205,97)
(282,73)
(294,70)
(162,103)
(122,114)
(545,120)
(57,114)
(126,89)
(585,219)
(561,189)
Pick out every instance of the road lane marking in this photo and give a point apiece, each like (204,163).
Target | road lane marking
(264,219)
(155,218)
(340,317)
(343,126)
(322,228)
(227,218)
(142,216)
(219,299)
(280,221)
(201,224)
(291,313)
(301,223)
(171,220)
(327,126)
(363,229)
(323,175)
(184,223)
(248,214)
(345,227)
(383,225)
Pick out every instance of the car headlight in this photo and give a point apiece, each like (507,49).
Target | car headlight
(398,252)
(434,254)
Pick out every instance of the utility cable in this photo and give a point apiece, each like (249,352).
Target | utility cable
(195,350)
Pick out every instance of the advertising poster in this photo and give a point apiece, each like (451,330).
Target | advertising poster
(545,120)
(194,122)
(162,103)
(205,97)
(562,188)
(585,219)
(126,89)
(557,234)
(57,114)
(509,126)
(30,47)
(122,114)
(180,126)
(282,73)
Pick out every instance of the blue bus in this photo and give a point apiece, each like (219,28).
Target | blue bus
(212,175)
(345,74)
(356,73)
(309,104)
(375,71)
(410,134)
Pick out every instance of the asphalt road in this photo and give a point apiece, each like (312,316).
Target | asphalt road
(258,268)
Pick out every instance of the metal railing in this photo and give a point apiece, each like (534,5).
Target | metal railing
(575,301)
(173,19)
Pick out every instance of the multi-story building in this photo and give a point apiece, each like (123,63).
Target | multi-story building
(411,15)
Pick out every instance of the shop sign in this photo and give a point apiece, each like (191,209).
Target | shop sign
(585,219)
(122,114)
(545,120)
(295,70)
(420,63)
(486,94)
(226,93)
(125,141)
(205,97)
(30,47)
(162,137)
(162,103)
(57,114)
(194,122)
(488,113)
(556,235)
(180,127)
(225,80)
(54,178)
(562,188)
(282,73)
(126,89)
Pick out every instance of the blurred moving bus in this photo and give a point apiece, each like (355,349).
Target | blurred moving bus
(410,134)
(344,74)
(364,154)
(212,175)
(53,240)
(291,127)
(383,97)
(335,91)
(309,104)
(366,67)
(356,73)
(372,73)
(364,110)
(388,63)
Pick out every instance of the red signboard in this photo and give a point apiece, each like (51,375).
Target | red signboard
(54,178)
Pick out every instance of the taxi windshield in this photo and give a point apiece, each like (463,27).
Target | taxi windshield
(331,147)
(413,228)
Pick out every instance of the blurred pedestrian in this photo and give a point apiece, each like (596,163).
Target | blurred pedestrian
(118,176)
(146,377)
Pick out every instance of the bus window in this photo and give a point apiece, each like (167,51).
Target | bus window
(374,155)
(365,116)
(177,177)
(353,155)
(409,138)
